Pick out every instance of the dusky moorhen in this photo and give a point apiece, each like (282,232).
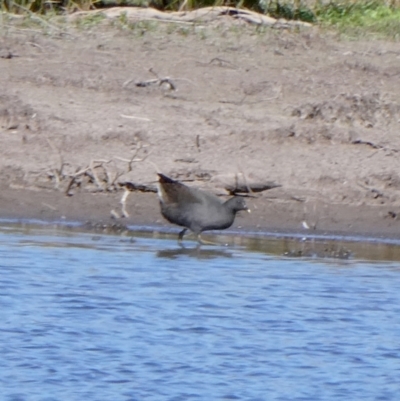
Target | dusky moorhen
(195,209)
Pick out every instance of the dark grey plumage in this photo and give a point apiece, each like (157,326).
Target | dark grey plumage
(195,209)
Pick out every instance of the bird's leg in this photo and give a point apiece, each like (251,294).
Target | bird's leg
(181,234)
(204,242)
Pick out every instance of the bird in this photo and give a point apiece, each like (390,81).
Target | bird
(195,209)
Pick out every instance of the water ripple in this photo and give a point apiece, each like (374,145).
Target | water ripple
(100,318)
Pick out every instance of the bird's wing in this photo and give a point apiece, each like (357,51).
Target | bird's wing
(171,191)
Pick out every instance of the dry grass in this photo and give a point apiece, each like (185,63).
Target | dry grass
(351,17)
(285,6)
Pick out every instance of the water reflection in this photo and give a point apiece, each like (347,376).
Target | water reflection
(290,245)
(316,249)
(199,252)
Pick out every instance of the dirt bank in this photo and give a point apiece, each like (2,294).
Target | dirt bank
(86,109)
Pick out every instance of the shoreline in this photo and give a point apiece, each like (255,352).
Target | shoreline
(87,214)
(269,218)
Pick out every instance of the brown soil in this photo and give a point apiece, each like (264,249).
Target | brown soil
(316,114)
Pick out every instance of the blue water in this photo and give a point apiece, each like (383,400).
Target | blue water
(97,317)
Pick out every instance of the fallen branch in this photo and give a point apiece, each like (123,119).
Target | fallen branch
(133,158)
(123,202)
(104,174)
(159,82)
(135,117)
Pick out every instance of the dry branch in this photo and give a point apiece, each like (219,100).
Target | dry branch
(123,202)
(104,174)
